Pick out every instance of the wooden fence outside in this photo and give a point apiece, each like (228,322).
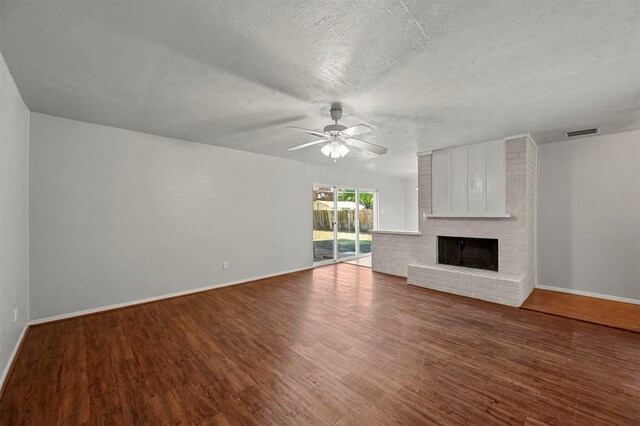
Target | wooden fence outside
(323,220)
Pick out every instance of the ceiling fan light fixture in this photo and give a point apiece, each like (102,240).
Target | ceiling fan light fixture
(338,137)
(335,150)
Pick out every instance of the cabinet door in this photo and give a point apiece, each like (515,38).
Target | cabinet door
(477,177)
(469,179)
(440,182)
(458,180)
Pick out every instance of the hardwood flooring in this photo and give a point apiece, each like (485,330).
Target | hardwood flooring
(591,309)
(333,345)
(363,261)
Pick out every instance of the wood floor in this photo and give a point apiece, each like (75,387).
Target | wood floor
(333,345)
(598,311)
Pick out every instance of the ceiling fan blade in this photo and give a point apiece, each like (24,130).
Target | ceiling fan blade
(357,130)
(311,132)
(304,145)
(367,146)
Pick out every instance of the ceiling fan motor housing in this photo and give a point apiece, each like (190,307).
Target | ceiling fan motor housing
(334,128)
(336,137)
(336,114)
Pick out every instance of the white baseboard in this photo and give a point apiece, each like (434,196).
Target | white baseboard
(12,357)
(587,293)
(164,296)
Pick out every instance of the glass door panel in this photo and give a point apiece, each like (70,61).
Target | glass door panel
(347,210)
(366,220)
(323,223)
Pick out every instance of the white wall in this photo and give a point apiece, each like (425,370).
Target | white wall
(14,216)
(589,215)
(411,204)
(118,216)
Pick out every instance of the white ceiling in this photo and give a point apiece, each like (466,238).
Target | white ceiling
(426,75)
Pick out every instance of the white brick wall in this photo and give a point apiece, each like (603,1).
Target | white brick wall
(516,243)
(392,254)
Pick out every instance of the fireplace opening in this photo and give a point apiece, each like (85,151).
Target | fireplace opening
(479,253)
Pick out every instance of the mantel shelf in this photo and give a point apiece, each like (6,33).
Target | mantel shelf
(471,215)
(382,231)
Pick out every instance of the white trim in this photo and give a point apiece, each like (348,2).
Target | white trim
(535,218)
(477,215)
(423,153)
(376,209)
(524,135)
(164,296)
(380,231)
(326,185)
(357,222)
(13,355)
(589,294)
(335,222)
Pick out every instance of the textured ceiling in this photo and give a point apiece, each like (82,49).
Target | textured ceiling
(235,73)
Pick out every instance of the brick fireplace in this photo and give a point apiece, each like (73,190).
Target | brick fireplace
(477,253)
(415,255)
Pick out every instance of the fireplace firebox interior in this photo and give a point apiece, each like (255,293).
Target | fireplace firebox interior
(478,253)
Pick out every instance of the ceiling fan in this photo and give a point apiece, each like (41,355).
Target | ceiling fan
(336,137)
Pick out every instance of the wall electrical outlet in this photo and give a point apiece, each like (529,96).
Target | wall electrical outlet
(15,314)
(225,265)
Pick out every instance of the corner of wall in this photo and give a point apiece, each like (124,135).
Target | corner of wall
(424,190)
(14,282)
(28,311)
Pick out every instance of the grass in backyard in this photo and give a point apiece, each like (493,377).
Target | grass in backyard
(328,235)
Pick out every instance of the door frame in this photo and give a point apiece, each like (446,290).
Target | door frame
(358,190)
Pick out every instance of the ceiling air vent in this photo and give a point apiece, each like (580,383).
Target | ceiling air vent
(582,132)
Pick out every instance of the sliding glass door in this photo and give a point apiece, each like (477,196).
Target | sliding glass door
(366,220)
(342,222)
(347,223)
(324,239)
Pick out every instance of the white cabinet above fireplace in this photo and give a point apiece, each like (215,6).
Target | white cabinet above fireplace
(469,181)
